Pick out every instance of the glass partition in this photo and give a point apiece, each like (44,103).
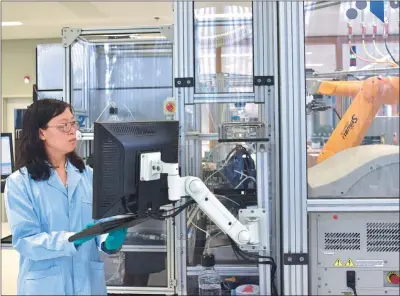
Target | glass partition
(49,71)
(79,55)
(122,269)
(223,47)
(352,72)
(121,77)
(217,171)
(224,94)
(142,261)
(49,67)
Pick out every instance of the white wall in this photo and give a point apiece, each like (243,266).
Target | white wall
(18,60)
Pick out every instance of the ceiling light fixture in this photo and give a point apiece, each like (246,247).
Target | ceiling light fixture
(146,37)
(239,15)
(10,24)
(314,65)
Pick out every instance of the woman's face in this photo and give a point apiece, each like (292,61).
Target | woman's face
(60,134)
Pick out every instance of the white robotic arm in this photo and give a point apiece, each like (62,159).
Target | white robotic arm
(244,232)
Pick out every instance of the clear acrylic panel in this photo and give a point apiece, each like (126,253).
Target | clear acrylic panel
(142,261)
(234,189)
(136,269)
(49,66)
(125,78)
(352,72)
(204,237)
(79,55)
(213,115)
(219,169)
(223,47)
(50,95)
(190,118)
(230,282)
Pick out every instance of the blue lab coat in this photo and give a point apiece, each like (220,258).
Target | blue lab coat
(42,216)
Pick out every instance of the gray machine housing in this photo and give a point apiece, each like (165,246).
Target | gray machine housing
(366,242)
(368,171)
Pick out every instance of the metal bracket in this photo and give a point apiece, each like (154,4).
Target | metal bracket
(264,80)
(173,283)
(69,35)
(168,32)
(184,82)
(295,259)
(312,86)
(257,218)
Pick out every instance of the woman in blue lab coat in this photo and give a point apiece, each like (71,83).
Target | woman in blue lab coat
(48,199)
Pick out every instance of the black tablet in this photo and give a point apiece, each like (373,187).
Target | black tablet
(108,226)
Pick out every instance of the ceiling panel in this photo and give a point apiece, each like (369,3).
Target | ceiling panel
(38,22)
(45,19)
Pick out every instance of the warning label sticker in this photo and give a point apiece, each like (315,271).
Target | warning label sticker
(349,263)
(338,263)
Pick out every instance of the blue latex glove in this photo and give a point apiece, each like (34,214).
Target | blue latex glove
(115,239)
(79,242)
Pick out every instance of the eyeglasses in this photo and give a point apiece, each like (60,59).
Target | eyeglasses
(66,126)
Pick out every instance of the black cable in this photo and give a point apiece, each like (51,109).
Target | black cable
(354,290)
(351,280)
(176,211)
(337,113)
(255,259)
(387,49)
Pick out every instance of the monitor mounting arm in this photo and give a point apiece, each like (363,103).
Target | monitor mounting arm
(245,231)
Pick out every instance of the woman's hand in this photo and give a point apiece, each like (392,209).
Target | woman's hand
(79,242)
(115,239)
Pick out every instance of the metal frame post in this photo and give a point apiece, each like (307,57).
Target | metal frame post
(266,65)
(183,71)
(293,147)
(69,36)
(67,75)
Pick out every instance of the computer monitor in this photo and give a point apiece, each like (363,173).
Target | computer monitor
(118,146)
(7,156)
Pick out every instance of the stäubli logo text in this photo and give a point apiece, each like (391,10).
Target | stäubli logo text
(349,126)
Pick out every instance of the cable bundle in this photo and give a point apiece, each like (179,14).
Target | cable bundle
(175,211)
(255,259)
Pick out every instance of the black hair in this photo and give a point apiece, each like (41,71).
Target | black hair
(33,153)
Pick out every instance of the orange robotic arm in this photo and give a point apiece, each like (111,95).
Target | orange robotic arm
(339,88)
(370,95)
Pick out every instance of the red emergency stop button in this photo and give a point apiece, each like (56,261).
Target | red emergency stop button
(393,278)
(170,107)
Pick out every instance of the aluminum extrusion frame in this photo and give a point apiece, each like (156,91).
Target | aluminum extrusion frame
(293,143)
(265,41)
